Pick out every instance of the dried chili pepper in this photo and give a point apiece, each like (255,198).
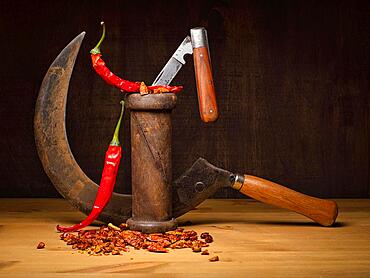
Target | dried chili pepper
(107,182)
(117,240)
(122,84)
(41,245)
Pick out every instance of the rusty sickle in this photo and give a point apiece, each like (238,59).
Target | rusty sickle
(198,183)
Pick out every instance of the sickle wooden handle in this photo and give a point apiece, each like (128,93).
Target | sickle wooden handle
(321,211)
(206,90)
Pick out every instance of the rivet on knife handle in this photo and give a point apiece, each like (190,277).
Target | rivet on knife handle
(203,73)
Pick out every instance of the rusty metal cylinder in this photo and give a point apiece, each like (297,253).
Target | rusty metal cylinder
(151,162)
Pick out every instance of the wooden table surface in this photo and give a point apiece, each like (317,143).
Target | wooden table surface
(251,240)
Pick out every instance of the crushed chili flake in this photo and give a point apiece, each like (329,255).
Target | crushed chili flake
(143,89)
(207,237)
(205,252)
(41,245)
(117,240)
(214,259)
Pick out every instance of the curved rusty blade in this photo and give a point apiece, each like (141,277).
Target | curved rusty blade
(52,143)
(55,153)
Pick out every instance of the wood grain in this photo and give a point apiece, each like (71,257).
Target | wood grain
(205,88)
(321,211)
(292,83)
(151,153)
(251,239)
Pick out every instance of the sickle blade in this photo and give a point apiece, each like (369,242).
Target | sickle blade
(55,153)
(52,143)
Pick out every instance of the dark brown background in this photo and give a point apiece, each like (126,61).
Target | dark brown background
(292,79)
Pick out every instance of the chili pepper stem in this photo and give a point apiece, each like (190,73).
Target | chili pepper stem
(115,140)
(108,180)
(96,49)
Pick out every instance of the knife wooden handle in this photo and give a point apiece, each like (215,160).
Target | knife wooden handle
(321,211)
(206,91)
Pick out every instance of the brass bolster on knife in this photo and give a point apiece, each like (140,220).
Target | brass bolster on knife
(238,182)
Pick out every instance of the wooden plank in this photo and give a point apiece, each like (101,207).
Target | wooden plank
(251,239)
(291,79)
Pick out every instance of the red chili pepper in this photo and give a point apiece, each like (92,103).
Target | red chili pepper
(114,80)
(108,179)
(165,89)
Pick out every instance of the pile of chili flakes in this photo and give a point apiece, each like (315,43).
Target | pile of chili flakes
(116,240)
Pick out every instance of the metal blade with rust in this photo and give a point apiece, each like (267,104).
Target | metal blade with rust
(203,179)
(53,147)
(198,183)
(52,143)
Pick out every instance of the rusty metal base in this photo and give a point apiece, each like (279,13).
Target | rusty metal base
(152,226)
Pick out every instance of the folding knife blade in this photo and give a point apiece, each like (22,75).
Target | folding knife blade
(174,64)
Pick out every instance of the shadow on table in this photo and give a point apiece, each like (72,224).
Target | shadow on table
(259,222)
(290,223)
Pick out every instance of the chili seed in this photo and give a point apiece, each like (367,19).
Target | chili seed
(205,252)
(213,259)
(110,225)
(197,249)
